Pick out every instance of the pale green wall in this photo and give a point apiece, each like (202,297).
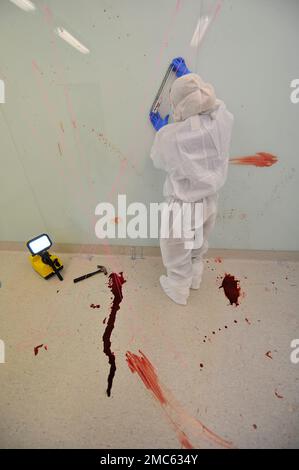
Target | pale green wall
(251,57)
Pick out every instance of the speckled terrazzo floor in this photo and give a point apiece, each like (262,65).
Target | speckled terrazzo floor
(225,380)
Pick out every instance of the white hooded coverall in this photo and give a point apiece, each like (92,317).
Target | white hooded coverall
(194,153)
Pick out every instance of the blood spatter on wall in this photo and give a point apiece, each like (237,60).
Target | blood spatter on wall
(260,159)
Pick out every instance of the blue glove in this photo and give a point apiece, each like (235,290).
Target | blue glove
(179,67)
(157,121)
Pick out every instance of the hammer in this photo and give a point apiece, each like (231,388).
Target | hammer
(101,269)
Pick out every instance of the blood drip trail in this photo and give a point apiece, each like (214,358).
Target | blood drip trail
(183,424)
(261,159)
(115,284)
(231,289)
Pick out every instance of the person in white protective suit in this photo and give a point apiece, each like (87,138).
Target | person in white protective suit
(194,152)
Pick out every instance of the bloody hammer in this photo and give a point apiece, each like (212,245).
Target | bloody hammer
(101,269)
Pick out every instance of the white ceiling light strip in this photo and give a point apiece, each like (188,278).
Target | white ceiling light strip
(66,36)
(25,5)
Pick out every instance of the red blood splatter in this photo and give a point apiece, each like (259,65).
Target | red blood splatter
(36,67)
(115,284)
(231,289)
(175,413)
(254,426)
(46,347)
(104,321)
(48,13)
(184,441)
(248,321)
(201,366)
(91,305)
(178,6)
(37,348)
(235,321)
(147,373)
(278,395)
(269,354)
(261,159)
(218,260)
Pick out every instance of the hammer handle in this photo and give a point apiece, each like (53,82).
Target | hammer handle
(86,276)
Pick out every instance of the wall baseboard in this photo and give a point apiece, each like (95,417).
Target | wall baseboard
(97,249)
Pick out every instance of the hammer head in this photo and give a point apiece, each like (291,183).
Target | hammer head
(102,269)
